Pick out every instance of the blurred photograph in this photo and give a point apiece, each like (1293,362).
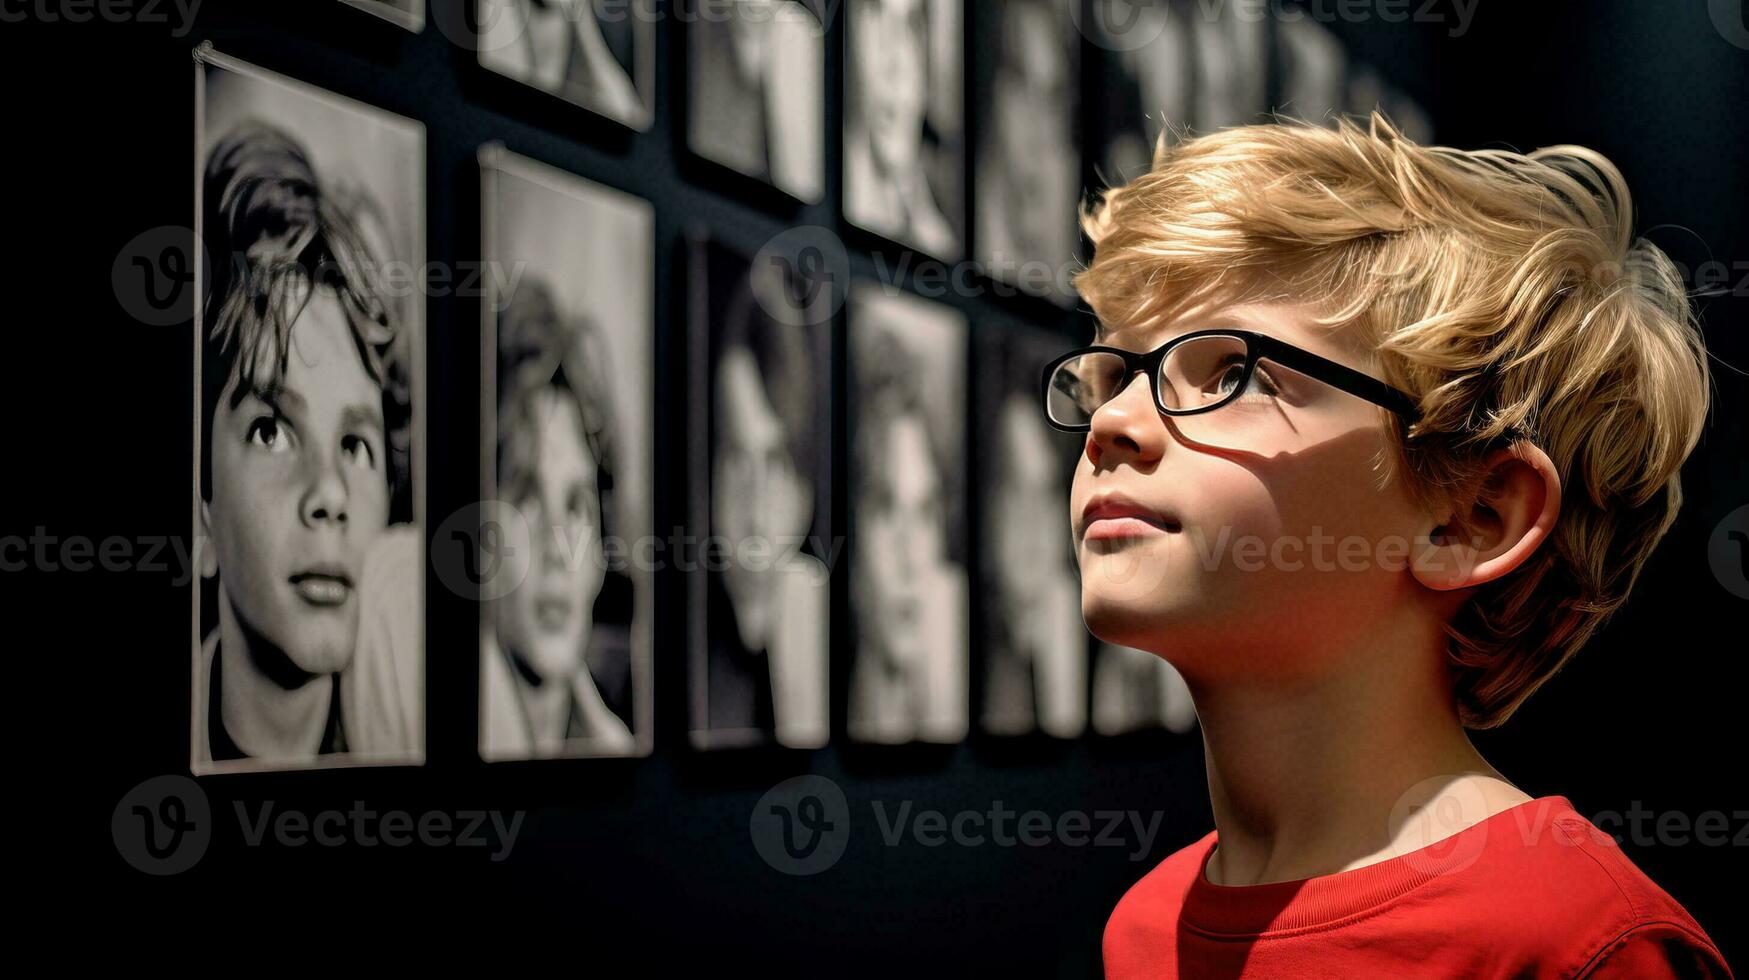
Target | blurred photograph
(1138,691)
(909,679)
(407,13)
(309,615)
(759,664)
(1229,48)
(904,122)
(1368,91)
(1028,160)
(758,93)
(1314,71)
(567,402)
(1034,646)
(598,54)
(1147,84)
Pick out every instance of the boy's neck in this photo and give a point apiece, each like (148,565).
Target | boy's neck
(546,703)
(263,717)
(1311,781)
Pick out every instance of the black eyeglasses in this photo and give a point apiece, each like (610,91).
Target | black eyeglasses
(1193,374)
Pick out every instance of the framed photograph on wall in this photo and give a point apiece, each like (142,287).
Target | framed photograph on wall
(756,100)
(1137,691)
(1028,157)
(309,449)
(599,54)
(1314,69)
(1146,89)
(567,426)
(761,419)
(1033,646)
(904,122)
(407,13)
(908,591)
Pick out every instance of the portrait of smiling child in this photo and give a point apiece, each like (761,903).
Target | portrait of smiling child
(1377,435)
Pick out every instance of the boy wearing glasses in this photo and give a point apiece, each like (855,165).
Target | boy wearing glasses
(1426,408)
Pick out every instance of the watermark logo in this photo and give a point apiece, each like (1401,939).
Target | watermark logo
(1120,25)
(154,275)
(178,15)
(482,550)
(1440,826)
(810,261)
(1727,551)
(1728,20)
(802,825)
(163,825)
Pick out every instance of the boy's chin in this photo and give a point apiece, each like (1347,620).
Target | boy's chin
(1125,622)
(318,654)
(555,662)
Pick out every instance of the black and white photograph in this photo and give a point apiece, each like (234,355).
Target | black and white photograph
(1230,51)
(599,54)
(1137,691)
(1313,71)
(1148,75)
(762,422)
(567,421)
(407,13)
(1177,68)
(904,122)
(1033,644)
(309,646)
(758,93)
(908,590)
(1028,157)
(1367,90)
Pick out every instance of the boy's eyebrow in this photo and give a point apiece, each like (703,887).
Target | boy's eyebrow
(362,417)
(273,394)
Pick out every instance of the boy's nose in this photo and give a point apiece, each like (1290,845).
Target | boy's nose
(324,501)
(1128,428)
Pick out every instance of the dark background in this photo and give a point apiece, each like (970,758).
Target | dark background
(651,858)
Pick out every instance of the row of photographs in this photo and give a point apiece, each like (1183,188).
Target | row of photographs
(756,105)
(310,447)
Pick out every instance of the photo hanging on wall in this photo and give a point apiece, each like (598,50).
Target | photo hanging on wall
(566,422)
(407,13)
(908,590)
(1028,157)
(309,449)
(757,93)
(904,122)
(761,418)
(598,55)
(1034,644)
(1174,68)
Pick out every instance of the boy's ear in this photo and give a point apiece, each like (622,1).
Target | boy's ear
(205,558)
(1492,531)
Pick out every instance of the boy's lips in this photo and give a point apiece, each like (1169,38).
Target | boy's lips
(1115,515)
(552,613)
(324,585)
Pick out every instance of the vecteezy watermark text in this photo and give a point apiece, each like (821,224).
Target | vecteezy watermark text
(363,827)
(164,826)
(178,14)
(802,826)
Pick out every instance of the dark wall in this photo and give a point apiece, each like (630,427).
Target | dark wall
(652,857)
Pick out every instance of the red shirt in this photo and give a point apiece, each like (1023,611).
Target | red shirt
(1533,891)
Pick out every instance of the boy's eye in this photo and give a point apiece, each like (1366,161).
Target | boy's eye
(1230,375)
(359,451)
(576,507)
(270,434)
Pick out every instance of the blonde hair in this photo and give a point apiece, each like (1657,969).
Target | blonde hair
(1505,291)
